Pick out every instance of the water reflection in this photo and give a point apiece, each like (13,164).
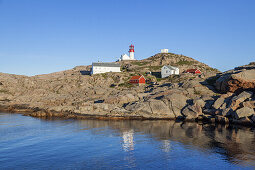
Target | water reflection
(234,143)
(128,140)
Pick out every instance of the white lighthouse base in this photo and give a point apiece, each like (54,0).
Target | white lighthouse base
(125,57)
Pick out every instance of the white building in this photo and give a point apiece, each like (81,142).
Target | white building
(100,67)
(124,57)
(169,70)
(164,50)
(131,54)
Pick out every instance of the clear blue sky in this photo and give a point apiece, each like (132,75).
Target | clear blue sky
(43,36)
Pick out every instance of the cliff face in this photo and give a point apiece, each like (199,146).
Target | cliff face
(70,92)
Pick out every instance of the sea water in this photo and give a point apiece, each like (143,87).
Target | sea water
(35,143)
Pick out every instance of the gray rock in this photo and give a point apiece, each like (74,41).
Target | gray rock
(218,103)
(192,111)
(235,101)
(176,103)
(245,111)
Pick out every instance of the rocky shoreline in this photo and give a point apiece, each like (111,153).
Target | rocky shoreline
(211,97)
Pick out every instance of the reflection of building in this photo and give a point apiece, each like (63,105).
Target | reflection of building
(128,140)
(166,145)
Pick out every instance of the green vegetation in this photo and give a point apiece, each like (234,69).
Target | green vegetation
(197,92)
(126,84)
(212,69)
(139,63)
(185,62)
(104,75)
(154,68)
(4,91)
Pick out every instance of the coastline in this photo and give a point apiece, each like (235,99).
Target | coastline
(42,113)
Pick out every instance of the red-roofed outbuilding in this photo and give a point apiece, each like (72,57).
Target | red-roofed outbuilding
(194,71)
(137,80)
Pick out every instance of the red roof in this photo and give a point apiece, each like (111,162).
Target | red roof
(136,77)
(193,71)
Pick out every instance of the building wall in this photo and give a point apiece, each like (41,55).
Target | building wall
(164,50)
(132,55)
(124,57)
(165,72)
(98,70)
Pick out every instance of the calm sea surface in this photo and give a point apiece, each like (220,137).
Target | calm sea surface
(33,143)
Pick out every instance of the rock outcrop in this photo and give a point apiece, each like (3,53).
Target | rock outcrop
(240,79)
(225,98)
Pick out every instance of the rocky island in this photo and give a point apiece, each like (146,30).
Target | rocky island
(210,97)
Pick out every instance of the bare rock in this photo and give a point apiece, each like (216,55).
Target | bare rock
(245,111)
(235,101)
(176,103)
(218,103)
(192,111)
(236,81)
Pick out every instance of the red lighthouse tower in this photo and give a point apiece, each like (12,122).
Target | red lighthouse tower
(131,52)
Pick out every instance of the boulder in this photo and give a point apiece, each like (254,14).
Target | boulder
(235,101)
(245,111)
(218,103)
(192,111)
(176,103)
(160,108)
(199,102)
(250,104)
(236,81)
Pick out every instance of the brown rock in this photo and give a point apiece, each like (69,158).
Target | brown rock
(237,81)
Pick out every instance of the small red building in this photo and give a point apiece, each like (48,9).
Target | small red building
(137,80)
(194,71)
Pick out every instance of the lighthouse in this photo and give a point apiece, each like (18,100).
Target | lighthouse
(131,52)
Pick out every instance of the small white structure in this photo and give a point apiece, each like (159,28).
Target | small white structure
(131,54)
(169,70)
(101,67)
(124,57)
(164,50)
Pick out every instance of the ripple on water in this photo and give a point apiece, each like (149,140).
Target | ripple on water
(29,143)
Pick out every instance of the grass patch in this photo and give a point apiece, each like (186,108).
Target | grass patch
(139,63)
(104,75)
(212,69)
(4,91)
(155,68)
(126,84)
(185,62)
(197,92)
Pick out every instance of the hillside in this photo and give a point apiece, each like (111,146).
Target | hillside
(71,93)
(154,63)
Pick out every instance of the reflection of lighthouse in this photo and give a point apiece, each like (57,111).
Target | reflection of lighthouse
(128,140)
(131,52)
(166,145)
